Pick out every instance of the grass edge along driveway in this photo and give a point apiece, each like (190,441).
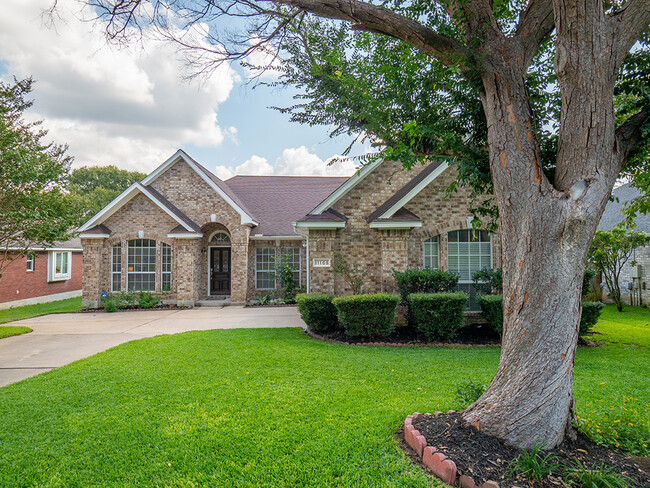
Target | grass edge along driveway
(259,407)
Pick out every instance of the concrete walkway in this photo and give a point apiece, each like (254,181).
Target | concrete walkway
(60,339)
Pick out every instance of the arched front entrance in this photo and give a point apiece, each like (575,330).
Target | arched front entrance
(219,264)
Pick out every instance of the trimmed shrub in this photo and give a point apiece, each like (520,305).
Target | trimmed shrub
(438,316)
(367,316)
(317,310)
(488,281)
(147,300)
(590,314)
(425,281)
(492,310)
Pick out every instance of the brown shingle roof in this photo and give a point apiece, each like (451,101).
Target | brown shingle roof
(402,215)
(329,215)
(277,201)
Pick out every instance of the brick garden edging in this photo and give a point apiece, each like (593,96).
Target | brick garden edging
(443,468)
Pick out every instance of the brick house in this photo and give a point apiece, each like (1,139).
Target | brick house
(46,275)
(184,232)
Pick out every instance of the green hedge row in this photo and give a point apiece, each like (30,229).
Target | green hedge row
(318,311)
(438,316)
(367,316)
(425,281)
(492,310)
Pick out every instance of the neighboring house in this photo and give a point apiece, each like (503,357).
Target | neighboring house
(50,274)
(612,216)
(185,232)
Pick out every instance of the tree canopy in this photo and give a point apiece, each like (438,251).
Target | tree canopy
(35,210)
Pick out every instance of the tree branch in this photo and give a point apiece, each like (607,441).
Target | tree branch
(536,23)
(629,24)
(374,18)
(630,134)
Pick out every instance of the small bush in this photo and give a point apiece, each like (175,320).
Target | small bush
(147,300)
(533,465)
(438,316)
(109,305)
(425,281)
(586,281)
(468,392)
(590,314)
(124,300)
(318,311)
(596,477)
(492,310)
(488,281)
(367,316)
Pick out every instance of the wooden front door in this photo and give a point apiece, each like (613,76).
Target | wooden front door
(219,271)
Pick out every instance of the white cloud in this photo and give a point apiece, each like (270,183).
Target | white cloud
(263,62)
(293,162)
(126,107)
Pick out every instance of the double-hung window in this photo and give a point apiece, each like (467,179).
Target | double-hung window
(165,267)
(265,268)
(59,265)
(468,251)
(432,253)
(116,267)
(141,265)
(291,256)
(30,263)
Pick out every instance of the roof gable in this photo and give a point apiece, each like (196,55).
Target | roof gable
(131,192)
(215,183)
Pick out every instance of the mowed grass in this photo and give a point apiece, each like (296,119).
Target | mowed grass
(29,311)
(12,330)
(249,408)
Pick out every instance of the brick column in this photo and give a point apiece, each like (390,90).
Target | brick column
(394,255)
(91,274)
(321,246)
(188,269)
(239,271)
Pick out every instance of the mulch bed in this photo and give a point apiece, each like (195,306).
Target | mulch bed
(485,458)
(133,309)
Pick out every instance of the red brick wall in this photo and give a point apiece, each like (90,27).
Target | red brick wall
(18,284)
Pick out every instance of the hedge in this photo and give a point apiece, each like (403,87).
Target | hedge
(424,281)
(367,316)
(438,316)
(492,310)
(317,310)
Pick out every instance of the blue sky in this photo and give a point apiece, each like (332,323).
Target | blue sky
(132,108)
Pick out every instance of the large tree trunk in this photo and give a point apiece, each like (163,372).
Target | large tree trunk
(546,229)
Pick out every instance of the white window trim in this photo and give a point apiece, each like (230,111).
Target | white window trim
(471,281)
(424,245)
(163,273)
(265,271)
(131,273)
(30,261)
(52,275)
(113,272)
(299,270)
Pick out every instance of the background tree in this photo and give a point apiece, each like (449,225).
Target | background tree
(34,209)
(96,186)
(553,159)
(610,251)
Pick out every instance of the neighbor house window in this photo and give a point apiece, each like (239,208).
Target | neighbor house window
(165,267)
(291,256)
(265,268)
(468,251)
(141,265)
(432,253)
(30,263)
(116,267)
(59,265)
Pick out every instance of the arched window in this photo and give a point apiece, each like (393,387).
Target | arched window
(432,253)
(220,238)
(468,251)
(141,265)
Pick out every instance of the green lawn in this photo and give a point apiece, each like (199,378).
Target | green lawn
(12,330)
(252,408)
(29,311)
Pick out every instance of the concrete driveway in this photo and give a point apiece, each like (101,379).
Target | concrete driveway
(60,339)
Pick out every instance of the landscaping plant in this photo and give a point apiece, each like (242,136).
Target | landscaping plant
(318,311)
(287,281)
(438,316)
(350,272)
(468,392)
(146,300)
(488,281)
(367,316)
(533,465)
(590,314)
(492,310)
(425,281)
(595,477)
